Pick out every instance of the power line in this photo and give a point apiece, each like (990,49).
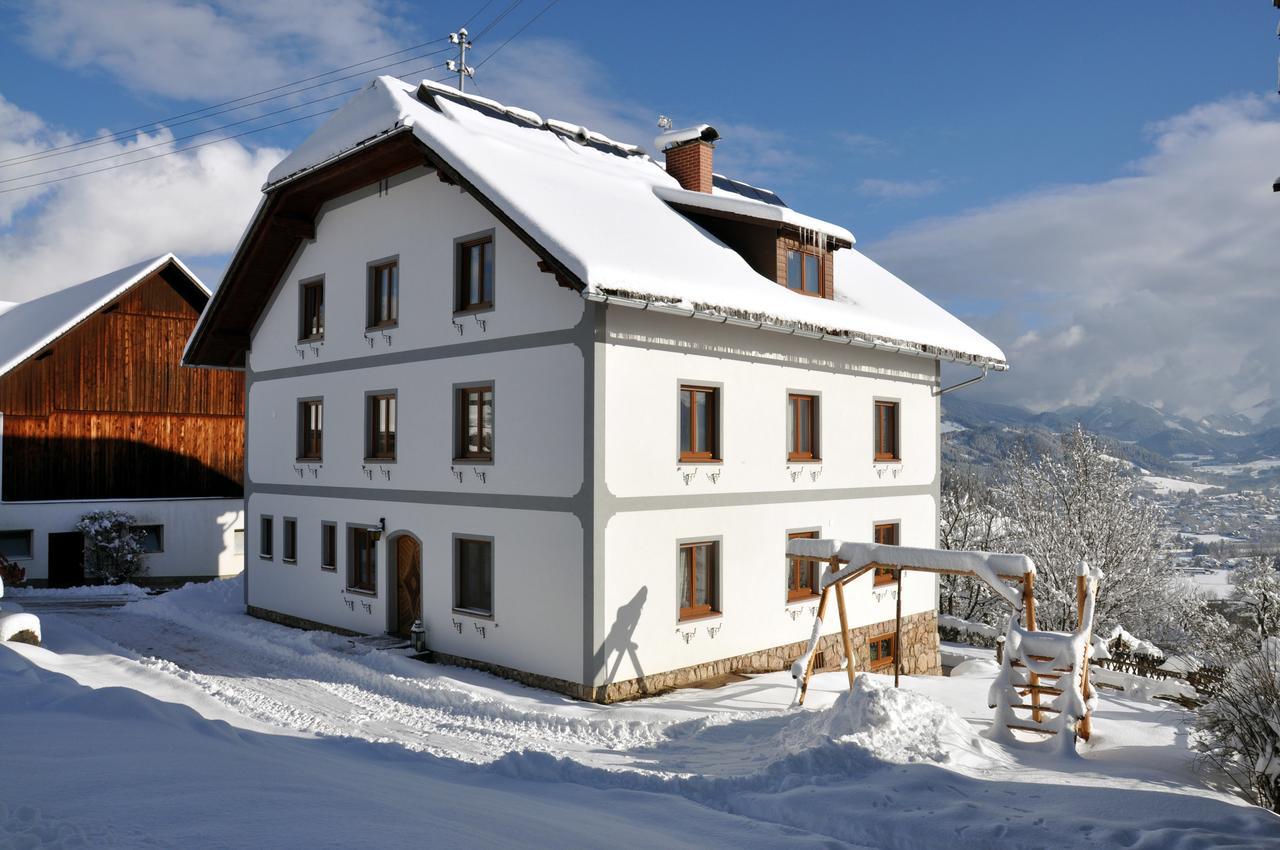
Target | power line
(167,153)
(528,23)
(498,20)
(57,152)
(196,112)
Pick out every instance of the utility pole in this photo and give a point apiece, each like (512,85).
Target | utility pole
(459,65)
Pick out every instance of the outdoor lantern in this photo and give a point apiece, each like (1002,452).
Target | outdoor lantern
(418,636)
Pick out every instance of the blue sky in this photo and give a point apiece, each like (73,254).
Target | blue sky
(916,125)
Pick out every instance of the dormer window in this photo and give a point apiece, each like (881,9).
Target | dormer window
(804,272)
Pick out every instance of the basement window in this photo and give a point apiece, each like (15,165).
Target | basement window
(882,650)
(16,545)
(151,538)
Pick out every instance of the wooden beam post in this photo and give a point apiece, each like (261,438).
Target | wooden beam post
(1029,622)
(844,633)
(897,630)
(1085,727)
(808,668)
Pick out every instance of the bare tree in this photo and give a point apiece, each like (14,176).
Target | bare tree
(968,518)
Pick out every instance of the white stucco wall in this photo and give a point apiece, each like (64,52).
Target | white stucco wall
(199,534)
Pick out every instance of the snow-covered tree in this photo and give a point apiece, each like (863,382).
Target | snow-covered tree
(1239,728)
(112,549)
(969,518)
(1255,588)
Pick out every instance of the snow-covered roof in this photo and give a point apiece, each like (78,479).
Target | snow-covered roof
(27,327)
(604,210)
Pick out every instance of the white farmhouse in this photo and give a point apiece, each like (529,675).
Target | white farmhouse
(566,405)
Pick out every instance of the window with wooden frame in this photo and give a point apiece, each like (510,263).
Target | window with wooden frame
(804,272)
(380,423)
(473,575)
(881,650)
(699,424)
(802,573)
(475,423)
(289,551)
(887,534)
(698,579)
(311,310)
(311,429)
(802,427)
(474,269)
(362,572)
(328,546)
(384,295)
(886,439)
(266,538)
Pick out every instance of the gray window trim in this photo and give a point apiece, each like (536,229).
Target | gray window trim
(31,541)
(349,543)
(457,424)
(337,544)
(786,535)
(284,537)
(493,577)
(718,386)
(267,552)
(898,401)
(368,428)
(368,285)
(298,441)
(492,233)
(302,306)
(817,431)
(718,606)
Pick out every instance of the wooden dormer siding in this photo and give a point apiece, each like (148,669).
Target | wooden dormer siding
(107,411)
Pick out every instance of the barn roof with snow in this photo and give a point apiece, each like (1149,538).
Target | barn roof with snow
(29,327)
(606,218)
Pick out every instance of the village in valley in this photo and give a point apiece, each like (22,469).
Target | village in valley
(427,424)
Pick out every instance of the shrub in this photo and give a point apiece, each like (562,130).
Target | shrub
(1239,728)
(10,573)
(112,549)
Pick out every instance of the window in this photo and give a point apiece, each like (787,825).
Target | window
(473,575)
(384,295)
(475,274)
(886,533)
(804,272)
(699,423)
(802,427)
(802,573)
(881,649)
(266,538)
(362,574)
(237,542)
(151,537)
(886,447)
(16,545)
(311,429)
(311,310)
(381,427)
(697,579)
(475,423)
(328,546)
(289,551)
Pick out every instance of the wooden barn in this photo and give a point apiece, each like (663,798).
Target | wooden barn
(97,411)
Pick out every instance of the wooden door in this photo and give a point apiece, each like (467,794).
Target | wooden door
(408,583)
(66,559)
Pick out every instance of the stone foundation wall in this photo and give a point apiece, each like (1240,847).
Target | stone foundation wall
(918,651)
(295,622)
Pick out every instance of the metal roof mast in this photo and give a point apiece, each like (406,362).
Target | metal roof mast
(459,65)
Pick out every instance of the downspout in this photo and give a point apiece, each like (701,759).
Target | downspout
(962,384)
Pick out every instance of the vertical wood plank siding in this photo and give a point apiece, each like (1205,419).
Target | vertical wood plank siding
(112,413)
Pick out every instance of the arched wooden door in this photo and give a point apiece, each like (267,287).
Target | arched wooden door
(408,583)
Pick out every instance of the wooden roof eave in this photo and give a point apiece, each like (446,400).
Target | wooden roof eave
(287,217)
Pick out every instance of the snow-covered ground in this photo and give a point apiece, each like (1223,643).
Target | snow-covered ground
(179,721)
(1176,485)
(1215,582)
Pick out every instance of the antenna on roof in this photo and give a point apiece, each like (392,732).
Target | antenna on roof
(459,65)
(664,123)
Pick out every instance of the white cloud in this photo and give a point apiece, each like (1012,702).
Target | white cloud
(1157,285)
(208,51)
(195,204)
(899,190)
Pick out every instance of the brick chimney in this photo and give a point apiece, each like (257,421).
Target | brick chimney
(689,155)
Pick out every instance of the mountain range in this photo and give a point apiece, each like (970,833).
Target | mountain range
(979,432)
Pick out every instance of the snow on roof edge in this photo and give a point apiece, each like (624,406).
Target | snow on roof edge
(69,325)
(753,209)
